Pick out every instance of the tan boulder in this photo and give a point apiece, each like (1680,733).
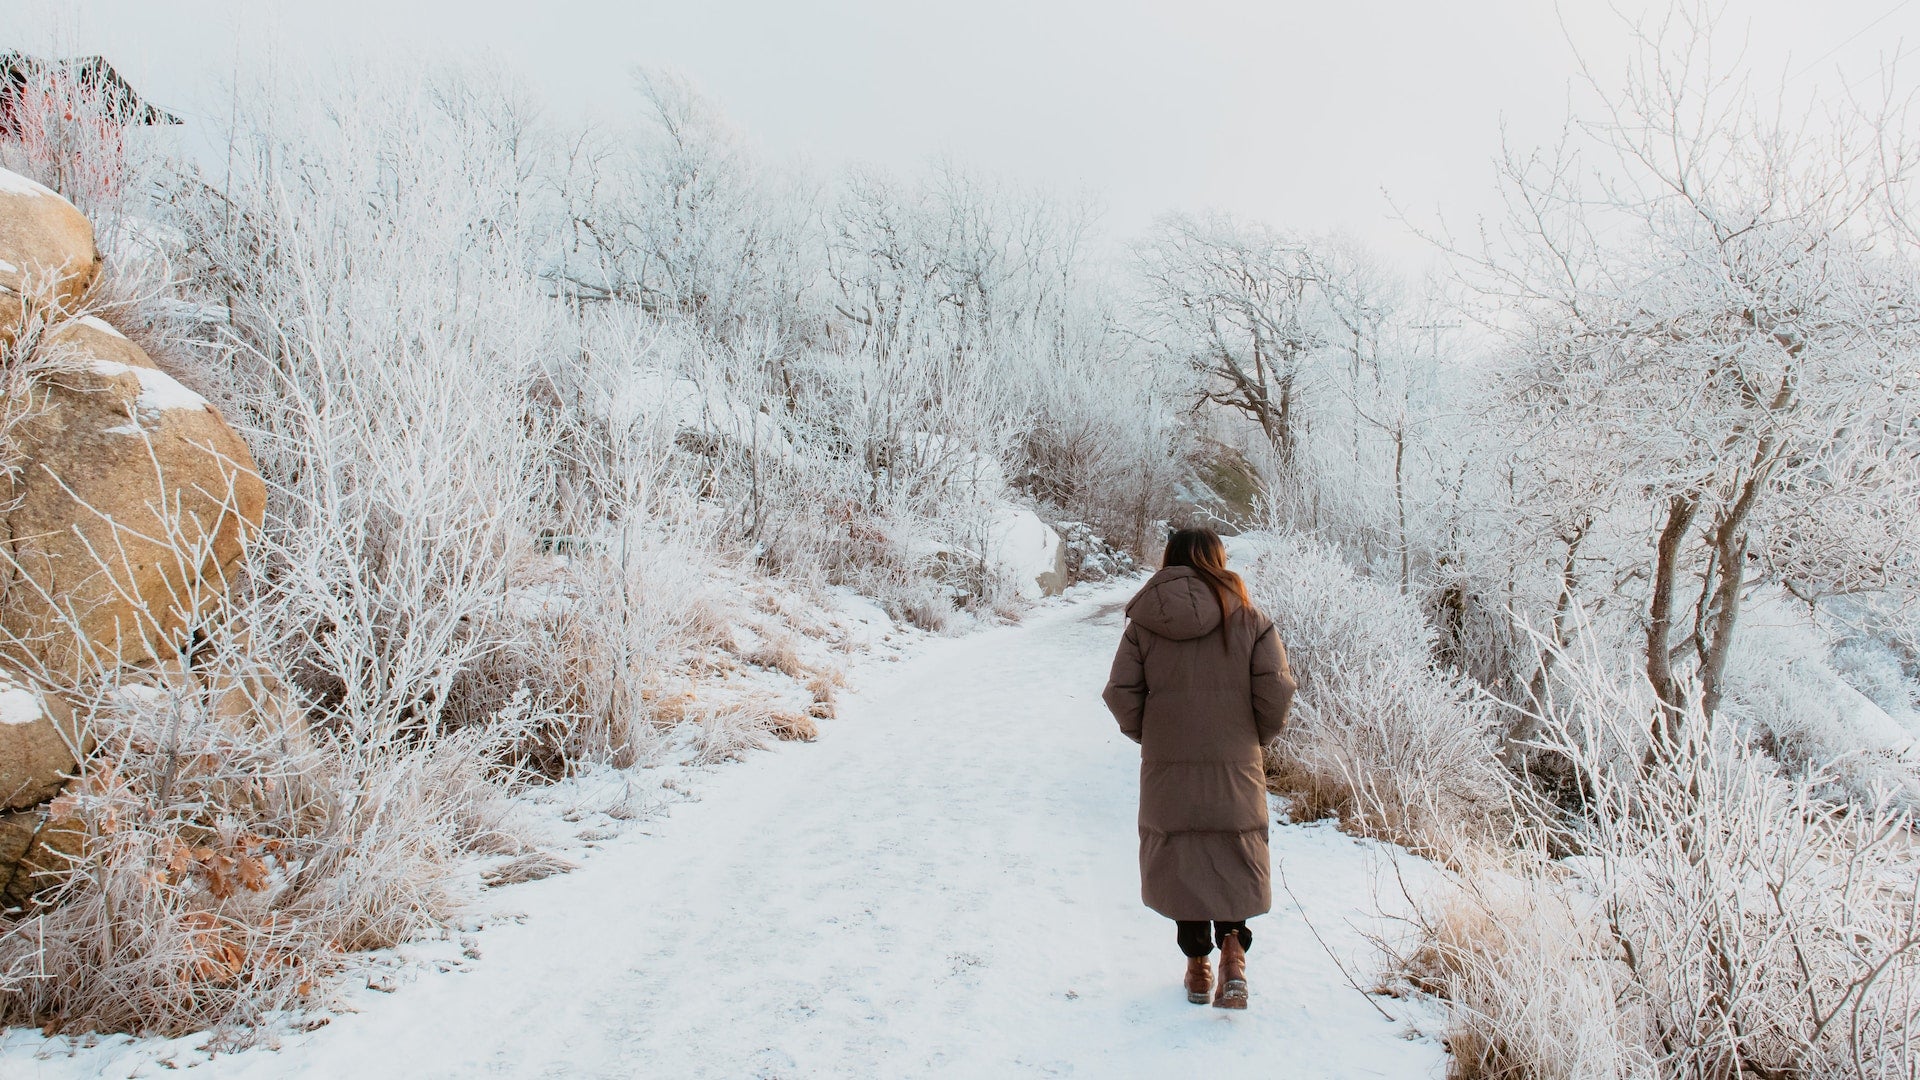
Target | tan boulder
(127,518)
(37,743)
(46,249)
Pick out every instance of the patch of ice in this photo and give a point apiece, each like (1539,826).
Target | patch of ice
(12,183)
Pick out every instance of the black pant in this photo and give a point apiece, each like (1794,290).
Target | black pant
(1195,941)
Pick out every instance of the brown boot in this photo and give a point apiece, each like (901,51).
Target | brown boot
(1233,975)
(1199,979)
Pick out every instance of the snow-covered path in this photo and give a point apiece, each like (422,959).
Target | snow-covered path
(943,885)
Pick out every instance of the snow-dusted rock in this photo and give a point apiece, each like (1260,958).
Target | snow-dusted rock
(1007,538)
(126,518)
(129,509)
(1089,557)
(46,249)
(1222,489)
(37,741)
(1028,550)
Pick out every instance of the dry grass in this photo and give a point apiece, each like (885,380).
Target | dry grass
(1528,977)
(780,653)
(1311,794)
(825,687)
(793,727)
(532,866)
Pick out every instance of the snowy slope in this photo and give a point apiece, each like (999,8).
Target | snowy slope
(943,885)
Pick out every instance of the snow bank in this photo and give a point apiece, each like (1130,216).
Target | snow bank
(664,397)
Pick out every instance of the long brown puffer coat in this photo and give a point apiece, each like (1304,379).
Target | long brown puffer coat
(1201,709)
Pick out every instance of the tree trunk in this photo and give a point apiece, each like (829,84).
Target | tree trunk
(1730,547)
(1730,555)
(1681,510)
(1543,671)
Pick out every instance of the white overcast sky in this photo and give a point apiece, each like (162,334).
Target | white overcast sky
(1301,114)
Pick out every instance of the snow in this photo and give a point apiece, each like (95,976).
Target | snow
(1781,664)
(691,407)
(12,183)
(97,323)
(159,392)
(944,885)
(8,268)
(18,704)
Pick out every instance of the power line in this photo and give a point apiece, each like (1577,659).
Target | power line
(1889,66)
(1850,39)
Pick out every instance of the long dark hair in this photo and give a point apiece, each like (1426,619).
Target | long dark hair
(1201,551)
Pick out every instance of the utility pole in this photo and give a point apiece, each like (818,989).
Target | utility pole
(1433,348)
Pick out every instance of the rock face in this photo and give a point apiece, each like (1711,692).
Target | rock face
(124,514)
(46,249)
(1224,491)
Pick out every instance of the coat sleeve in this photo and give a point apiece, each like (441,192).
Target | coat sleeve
(1126,693)
(1273,685)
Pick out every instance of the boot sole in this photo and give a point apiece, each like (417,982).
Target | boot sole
(1198,997)
(1233,995)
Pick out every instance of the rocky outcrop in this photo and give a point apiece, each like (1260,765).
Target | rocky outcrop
(1223,490)
(34,842)
(125,509)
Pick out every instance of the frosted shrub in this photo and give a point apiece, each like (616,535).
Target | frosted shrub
(1720,919)
(377,346)
(188,837)
(610,626)
(380,352)
(1383,736)
(216,861)
(1522,961)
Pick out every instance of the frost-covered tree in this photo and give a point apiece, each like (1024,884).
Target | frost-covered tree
(1235,301)
(1715,300)
(681,218)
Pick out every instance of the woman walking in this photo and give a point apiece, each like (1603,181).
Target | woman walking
(1201,683)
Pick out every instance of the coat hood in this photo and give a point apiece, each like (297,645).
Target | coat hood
(1176,604)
